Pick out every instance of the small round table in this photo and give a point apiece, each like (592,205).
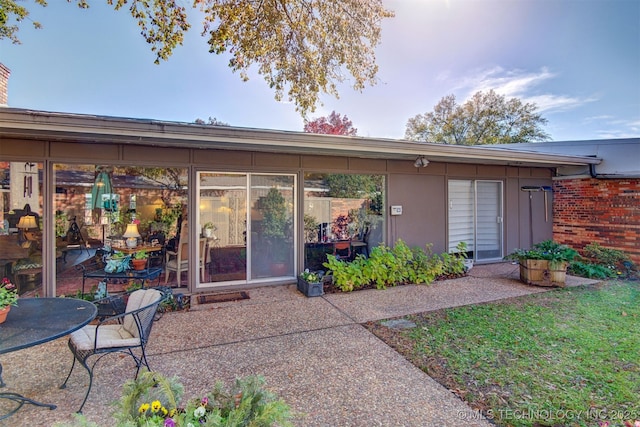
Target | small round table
(35,321)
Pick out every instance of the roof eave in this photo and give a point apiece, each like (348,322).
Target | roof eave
(30,124)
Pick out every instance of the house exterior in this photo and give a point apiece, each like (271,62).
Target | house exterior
(276,201)
(596,203)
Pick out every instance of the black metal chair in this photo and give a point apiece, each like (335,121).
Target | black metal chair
(117,331)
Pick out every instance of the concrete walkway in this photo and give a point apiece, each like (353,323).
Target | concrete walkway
(313,352)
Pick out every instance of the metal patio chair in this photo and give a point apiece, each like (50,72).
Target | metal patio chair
(118,332)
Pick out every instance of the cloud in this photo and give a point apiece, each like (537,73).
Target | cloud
(518,84)
(617,128)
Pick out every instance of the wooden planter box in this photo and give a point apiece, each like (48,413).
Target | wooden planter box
(310,289)
(537,272)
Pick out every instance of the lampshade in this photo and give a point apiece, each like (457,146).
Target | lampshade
(27,222)
(132,231)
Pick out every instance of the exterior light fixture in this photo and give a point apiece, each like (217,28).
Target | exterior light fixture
(421,162)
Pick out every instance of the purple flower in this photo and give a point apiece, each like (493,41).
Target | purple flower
(205,401)
(169,422)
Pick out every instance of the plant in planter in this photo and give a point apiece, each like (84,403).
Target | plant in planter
(208,229)
(545,264)
(139,260)
(310,283)
(116,263)
(8,297)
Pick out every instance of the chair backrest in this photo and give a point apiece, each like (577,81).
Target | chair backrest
(143,303)
(365,234)
(183,250)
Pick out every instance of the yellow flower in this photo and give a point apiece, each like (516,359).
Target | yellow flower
(172,412)
(164,411)
(143,408)
(156,405)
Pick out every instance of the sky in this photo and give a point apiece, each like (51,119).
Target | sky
(577,60)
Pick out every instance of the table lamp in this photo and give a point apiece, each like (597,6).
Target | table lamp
(132,235)
(26,223)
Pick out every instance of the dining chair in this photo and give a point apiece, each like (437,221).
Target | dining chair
(178,261)
(123,332)
(342,249)
(362,245)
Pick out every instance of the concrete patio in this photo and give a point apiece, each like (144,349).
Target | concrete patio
(313,352)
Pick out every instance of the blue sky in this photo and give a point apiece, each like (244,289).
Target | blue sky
(578,60)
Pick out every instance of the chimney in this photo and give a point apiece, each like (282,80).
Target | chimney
(4,85)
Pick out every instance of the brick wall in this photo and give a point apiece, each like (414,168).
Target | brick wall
(605,211)
(4,85)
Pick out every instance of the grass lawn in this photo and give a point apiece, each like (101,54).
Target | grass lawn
(568,357)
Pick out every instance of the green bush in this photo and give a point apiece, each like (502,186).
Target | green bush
(153,400)
(591,271)
(453,263)
(393,266)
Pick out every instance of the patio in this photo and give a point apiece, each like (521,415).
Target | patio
(313,352)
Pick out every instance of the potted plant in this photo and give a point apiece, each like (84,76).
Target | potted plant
(139,260)
(545,264)
(116,263)
(310,283)
(208,229)
(8,297)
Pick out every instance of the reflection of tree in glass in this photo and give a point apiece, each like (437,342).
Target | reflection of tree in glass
(353,186)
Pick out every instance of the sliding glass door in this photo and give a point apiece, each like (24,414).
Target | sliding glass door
(249,223)
(475,217)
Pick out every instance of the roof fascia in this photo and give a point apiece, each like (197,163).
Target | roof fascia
(22,124)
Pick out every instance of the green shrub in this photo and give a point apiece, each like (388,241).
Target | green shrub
(615,260)
(453,263)
(391,267)
(153,400)
(426,266)
(347,276)
(591,271)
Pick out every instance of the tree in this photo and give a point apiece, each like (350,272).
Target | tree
(300,47)
(213,121)
(333,125)
(486,118)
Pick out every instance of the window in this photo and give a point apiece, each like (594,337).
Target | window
(339,208)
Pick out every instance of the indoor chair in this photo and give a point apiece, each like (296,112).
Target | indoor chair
(178,261)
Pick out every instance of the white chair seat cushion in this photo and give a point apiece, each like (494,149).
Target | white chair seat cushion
(173,263)
(109,336)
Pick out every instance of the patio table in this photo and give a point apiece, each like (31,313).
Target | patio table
(35,321)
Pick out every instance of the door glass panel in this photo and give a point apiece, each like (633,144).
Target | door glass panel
(475,217)
(489,220)
(461,214)
(223,218)
(272,226)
